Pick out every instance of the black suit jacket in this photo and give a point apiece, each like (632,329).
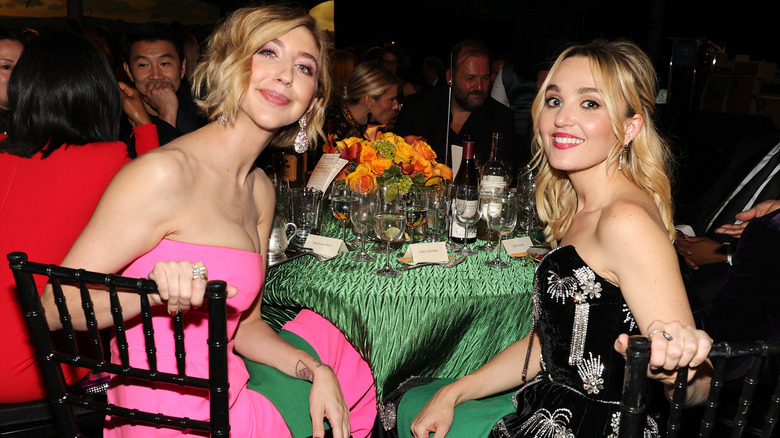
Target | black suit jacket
(425,114)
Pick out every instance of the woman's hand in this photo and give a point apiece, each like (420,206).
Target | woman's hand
(133,104)
(672,346)
(327,401)
(182,285)
(436,416)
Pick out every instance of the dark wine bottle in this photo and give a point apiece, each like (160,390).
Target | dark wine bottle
(467,176)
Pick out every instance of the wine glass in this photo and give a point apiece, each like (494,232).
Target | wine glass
(467,212)
(448,193)
(340,205)
(416,212)
(437,213)
(489,189)
(501,218)
(389,222)
(362,217)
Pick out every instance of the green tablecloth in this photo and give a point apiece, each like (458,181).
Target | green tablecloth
(431,321)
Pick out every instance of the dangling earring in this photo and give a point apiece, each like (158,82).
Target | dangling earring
(302,139)
(624,151)
(222,120)
(368,118)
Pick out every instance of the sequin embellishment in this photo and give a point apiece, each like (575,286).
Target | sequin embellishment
(590,371)
(542,424)
(387,415)
(561,288)
(629,318)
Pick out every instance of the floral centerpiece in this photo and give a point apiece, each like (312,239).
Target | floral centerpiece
(387,159)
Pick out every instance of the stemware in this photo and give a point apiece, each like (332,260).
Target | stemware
(362,217)
(416,212)
(437,213)
(389,222)
(448,193)
(501,218)
(467,211)
(340,197)
(489,190)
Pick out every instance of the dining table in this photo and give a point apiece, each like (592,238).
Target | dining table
(431,321)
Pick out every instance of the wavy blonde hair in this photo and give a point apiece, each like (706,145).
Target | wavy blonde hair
(221,80)
(622,71)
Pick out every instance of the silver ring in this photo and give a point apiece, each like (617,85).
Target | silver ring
(199,273)
(664,333)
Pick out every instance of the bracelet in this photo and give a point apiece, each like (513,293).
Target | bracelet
(729,252)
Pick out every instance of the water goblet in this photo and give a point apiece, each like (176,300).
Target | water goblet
(437,213)
(467,211)
(340,201)
(448,193)
(501,217)
(389,222)
(362,217)
(416,212)
(486,190)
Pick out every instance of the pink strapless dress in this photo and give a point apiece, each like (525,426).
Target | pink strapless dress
(251,414)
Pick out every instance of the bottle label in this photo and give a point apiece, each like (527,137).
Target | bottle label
(290,167)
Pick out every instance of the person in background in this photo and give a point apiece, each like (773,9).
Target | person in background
(604,193)
(397,60)
(342,62)
(154,61)
(60,154)
(369,97)
(473,111)
(433,73)
(200,208)
(11,46)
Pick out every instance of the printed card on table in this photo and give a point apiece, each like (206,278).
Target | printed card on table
(435,252)
(518,247)
(327,247)
(327,168)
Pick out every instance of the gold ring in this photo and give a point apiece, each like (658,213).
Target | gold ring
(199,273)
(666,335)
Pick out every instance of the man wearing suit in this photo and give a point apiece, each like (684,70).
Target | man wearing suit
(753,176)
(473,111)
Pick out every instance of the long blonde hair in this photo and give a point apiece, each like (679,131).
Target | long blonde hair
(622,71)
(221,80)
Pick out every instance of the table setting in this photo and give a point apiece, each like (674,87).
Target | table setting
(423,304)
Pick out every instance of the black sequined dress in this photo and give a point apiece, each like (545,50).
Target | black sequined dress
(578,315)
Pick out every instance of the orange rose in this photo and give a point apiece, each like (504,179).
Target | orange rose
(362,178)
(421,165)
(424,150)
(379,165)
(367,153)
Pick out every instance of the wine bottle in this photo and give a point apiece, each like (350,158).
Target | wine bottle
(467,175)
(494,179)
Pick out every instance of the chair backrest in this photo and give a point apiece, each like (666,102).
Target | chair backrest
(63,400)
(634,402)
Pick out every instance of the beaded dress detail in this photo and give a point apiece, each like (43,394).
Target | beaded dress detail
(578,315)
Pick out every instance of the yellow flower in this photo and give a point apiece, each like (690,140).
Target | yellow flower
(403,152)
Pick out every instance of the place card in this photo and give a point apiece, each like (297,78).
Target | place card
(327,247)
(326,169)
(434,252)
(518,247)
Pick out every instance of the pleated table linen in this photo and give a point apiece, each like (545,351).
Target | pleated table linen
(431,321)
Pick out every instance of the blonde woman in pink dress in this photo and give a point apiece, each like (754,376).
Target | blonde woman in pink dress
(200,201)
